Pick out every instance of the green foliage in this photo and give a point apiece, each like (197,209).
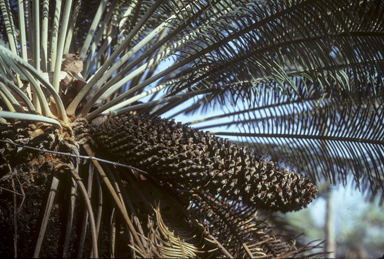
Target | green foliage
(358,224)
(367,230)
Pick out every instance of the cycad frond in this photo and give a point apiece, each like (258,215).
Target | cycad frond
(330,140)
(325,41)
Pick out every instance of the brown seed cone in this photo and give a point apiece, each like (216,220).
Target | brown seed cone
(178,153)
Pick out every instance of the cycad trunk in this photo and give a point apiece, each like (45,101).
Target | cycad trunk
(31,173)
(27,175)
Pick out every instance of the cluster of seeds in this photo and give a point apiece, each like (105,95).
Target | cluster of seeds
(177,153)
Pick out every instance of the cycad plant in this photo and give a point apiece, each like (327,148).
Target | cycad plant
(92,164)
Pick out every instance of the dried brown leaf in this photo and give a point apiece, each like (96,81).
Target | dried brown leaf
(72,64)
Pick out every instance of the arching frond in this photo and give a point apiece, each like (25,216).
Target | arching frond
(330,139)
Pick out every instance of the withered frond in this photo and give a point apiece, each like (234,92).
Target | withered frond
(177,239)
(241,231)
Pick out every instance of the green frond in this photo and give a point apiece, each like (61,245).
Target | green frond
(32,74)
(29,117)
(330,140)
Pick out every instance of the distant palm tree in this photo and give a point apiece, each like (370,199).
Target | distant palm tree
(302,81)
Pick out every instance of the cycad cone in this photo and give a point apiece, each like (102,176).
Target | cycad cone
(177,153)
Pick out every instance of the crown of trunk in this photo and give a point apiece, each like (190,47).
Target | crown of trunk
(177,153)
